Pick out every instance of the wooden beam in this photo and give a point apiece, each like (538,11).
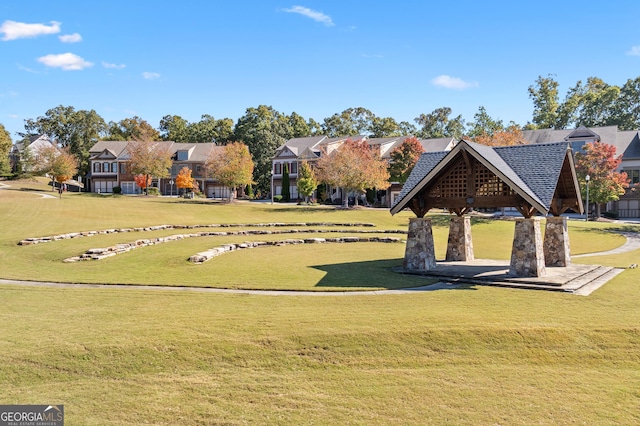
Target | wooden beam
(478,202)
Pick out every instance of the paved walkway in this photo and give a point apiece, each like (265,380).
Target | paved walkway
(42,194)
(632,243)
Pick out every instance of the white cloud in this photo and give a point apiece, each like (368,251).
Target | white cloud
(313,14)
(113,66)
(449,82)
(70,38)
(634,51)
(66,61)
(13,30)
(150,75)
(13,116)
(23,68)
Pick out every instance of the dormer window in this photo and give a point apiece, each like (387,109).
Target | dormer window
(182,155)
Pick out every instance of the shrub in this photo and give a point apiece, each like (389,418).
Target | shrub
(117,190)
(152,190)
(610,215)
(277,198)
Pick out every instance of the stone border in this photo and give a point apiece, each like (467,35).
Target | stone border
(47,239)
(204,256)
(104,252)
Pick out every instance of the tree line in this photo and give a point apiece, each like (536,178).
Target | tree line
(263,128)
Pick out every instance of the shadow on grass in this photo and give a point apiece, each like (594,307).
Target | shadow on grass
(372,274)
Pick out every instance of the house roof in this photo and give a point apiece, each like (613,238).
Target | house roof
(198,152)
(518,166)
(437,144)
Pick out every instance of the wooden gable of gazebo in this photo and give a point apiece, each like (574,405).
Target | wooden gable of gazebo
(532,178)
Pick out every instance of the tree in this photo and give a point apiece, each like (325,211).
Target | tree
(78,130)
(263,130)
(44,162)
(142,181)
(149,159)
(231,165)
(627,108)
(306,182)
(437,124)
(131,128)
(286,192)
(350,122)
(184,179)
(600,162)
(174,128)
(544,95)
(64,167)
(403,158)
(484,124)
(5,148)
(354,167)
(512,135)
(208,129)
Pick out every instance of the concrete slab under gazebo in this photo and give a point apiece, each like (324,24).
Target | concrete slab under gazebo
(538,179)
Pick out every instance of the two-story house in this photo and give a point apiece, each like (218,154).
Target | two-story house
(110,168)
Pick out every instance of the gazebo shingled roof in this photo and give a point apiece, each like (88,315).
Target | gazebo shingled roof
(536,177)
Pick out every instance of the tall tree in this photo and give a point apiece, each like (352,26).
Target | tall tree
(306,182)
(149,159)
(437,124)
(78,130)
(231,166)
(5,148)
(403,158)
(130,128)
(597,103)
(544,95)
(286,191)
(43,163)
(263,130)
(208,129)
(350,122)
(385,127)
(627,108)
(354,167)
(299,126)
(600,162)
(483,124)
(174,128)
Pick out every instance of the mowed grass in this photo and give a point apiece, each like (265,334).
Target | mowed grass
(474,355)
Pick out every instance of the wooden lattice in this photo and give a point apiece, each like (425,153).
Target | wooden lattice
(487,184)
(453,184)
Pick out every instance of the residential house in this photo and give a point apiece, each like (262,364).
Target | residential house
(110,168)
(34,144)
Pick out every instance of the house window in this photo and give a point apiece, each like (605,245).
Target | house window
(633,175)
(105,167)
(294,168)
(123,168)
(277,168)
(114,167)
(182,155)
(198,169)
(96,167)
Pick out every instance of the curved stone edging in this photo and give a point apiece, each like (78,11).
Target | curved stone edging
(226,248)
(47,239)
(105,252)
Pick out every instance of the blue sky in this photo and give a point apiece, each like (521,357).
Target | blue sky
(398,59)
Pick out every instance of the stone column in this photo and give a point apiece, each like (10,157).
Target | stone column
(460,244)
(556,242)
(527,255)
(419,254)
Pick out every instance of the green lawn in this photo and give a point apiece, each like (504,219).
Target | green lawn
(474,355)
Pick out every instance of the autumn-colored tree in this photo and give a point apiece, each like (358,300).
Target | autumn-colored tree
(354,167)
(403,158)
(600,162)
(306,182)
(142,181)
(231,166)
(64,167)
(150,159)
(43,163)
(184,179)
(512,135)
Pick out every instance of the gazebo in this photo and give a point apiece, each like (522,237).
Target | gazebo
(537,179)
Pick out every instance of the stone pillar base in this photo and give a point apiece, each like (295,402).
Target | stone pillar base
(460,244)
(420,253)
(556,242)
(527,255)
